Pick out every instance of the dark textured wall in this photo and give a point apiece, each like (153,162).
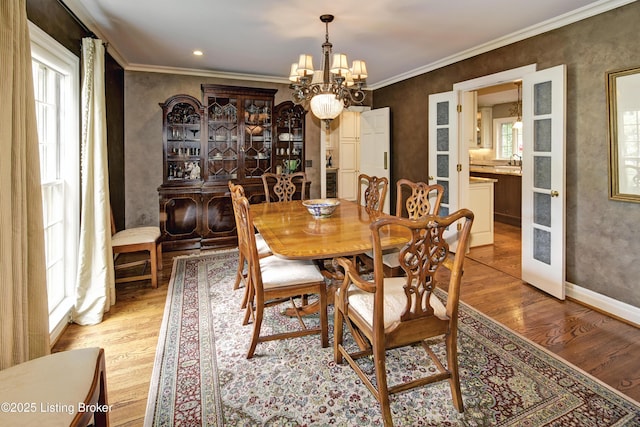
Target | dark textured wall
(143,134)
(53,18)
(602,243)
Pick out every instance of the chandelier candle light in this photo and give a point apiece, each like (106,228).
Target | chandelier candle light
(329,90)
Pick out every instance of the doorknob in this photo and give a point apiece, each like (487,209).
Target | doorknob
(430,178)
(554,193)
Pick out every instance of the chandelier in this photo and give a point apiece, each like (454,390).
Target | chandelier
(329,90)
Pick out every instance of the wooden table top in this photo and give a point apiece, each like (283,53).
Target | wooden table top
(291,232)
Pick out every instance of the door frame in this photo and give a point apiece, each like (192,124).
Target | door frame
(473,85)
(461,89)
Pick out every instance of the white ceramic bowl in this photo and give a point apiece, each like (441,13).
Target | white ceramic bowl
(321,208)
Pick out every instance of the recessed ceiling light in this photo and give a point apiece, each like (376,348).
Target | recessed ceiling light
(198,53)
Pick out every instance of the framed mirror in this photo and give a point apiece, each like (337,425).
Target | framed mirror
(623,108)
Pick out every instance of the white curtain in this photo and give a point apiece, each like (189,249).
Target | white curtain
(24,315)
(96,291)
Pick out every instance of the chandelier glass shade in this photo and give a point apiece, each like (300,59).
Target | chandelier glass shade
(328,90)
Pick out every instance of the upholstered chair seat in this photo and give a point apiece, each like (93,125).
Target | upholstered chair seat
(135,235)
(261,244)
(277,272)
(395,301)
(61,389)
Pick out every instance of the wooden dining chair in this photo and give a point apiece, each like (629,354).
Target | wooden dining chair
(273,281)
(262,246)
(372,191)
(391,312)
(413,200)
(137,239)
(283,187)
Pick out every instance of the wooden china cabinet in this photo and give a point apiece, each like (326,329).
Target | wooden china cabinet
(236,134)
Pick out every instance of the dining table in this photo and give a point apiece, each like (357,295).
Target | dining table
(293,233)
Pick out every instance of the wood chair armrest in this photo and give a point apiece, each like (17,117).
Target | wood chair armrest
(351,276)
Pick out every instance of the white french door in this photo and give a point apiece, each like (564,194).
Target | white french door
(444,154)
(543,180)
(543,168)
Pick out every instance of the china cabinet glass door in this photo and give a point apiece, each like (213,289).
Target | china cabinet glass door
(257,137)
(222,146)
(182,136)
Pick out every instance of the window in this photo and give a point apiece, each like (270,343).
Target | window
(55,80)
(508,138)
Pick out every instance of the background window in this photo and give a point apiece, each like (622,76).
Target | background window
(508,138)
(55,80)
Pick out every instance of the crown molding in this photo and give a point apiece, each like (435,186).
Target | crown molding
(206,73)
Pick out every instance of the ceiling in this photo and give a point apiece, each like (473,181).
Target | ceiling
(259,40)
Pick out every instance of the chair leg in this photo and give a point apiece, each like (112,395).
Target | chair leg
(338,334)
(101,418)
(257,323)
(452,365)
(324,327)
(248,302)
(153,253)
(239,271)
(379,356)
(159,255)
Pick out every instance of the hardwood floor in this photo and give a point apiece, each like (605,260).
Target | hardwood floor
(606,348)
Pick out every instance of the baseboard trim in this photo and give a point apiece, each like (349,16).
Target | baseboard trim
(620,310)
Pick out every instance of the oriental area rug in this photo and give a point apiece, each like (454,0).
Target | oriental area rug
(201,375)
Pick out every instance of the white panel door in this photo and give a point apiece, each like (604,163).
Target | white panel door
(348,169)
(349,156)
(374,145)
(443,153)
(543,180)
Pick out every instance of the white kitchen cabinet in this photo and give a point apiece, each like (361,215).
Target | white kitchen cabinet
(485,127)
(481,204)
(349,157)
